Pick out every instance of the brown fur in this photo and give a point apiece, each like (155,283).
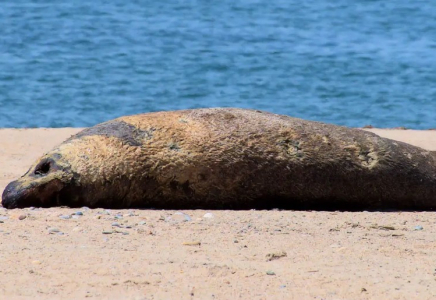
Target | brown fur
(228,158)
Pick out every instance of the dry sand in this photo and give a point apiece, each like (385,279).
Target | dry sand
(155,254)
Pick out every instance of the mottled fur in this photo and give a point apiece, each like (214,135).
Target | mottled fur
(228,158)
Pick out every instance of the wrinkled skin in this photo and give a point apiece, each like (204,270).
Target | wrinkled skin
(227,158)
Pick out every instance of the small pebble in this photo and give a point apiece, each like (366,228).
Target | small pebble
(283,286)
(115,224)
(275,255)
(97,217)
(1,221)
(53,230)
(65,217)
(195,243)
(208,216)
(78,213)
(142,223)
(118,217)
(179,217)
(128,215)
(419,227)
(18,217)
(107,232)
(36,262)
(270,273)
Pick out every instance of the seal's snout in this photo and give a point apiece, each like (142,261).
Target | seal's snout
(12,195)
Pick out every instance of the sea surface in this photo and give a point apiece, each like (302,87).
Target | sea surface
(78,63)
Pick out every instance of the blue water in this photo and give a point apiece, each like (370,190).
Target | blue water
(78,63)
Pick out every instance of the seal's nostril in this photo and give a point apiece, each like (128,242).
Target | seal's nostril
(9,196)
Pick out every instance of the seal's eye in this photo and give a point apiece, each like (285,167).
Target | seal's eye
(42,168)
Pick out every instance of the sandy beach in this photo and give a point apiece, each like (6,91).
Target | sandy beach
(62,253)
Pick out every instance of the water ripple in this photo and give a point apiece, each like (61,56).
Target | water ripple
(80,63)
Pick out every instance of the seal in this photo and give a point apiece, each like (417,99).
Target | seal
(228,158)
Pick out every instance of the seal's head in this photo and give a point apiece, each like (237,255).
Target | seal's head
(96,168)
(42,185)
